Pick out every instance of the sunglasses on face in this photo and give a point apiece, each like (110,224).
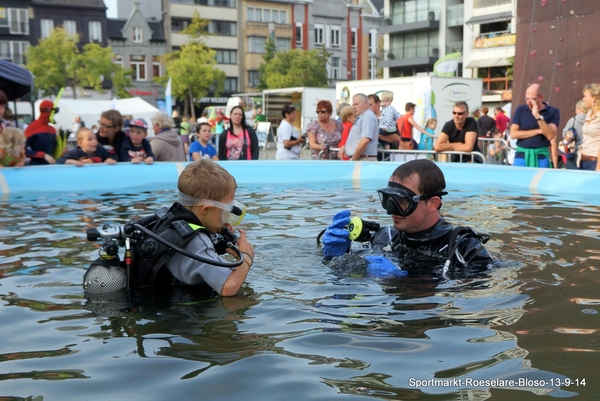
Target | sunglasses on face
(321,111)
(458,113)
(398,200)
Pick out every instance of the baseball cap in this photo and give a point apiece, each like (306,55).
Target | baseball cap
(139,122)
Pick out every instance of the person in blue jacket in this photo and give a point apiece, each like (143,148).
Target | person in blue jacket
(413,197)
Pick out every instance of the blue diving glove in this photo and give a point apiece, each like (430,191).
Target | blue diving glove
(380,266)
(336,239)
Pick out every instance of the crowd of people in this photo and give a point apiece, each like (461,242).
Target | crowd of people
(529,138)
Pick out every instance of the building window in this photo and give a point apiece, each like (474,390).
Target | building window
(138,65)
(223,28)
(353,68)
(226,57)
(298,34)
(47,26)
(256,44)
(118,60)
(282,17)
(138,34)
(14,51)
(70,27)
(494,78)
(353,38)
(373,41)
(334,70)
(319,35)
(412,45)
(410,11)
(250,13)
(372,67)
(178,25)
(336,33)
(156,67)
(282,44)
(231,85)
(95,28)
(258,15)
(18,20)
(253,78)
(4,21)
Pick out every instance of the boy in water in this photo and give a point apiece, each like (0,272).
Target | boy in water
(136,148)
(202,149)
(87,151)
(206,196)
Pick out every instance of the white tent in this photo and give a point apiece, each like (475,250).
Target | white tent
(90,110)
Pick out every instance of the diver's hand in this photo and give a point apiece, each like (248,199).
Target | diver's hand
(382,267)
(336,239)
(243,244)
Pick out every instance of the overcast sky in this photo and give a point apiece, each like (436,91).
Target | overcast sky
(111,12)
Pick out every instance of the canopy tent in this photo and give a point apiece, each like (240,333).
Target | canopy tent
(15,81)
(90,110)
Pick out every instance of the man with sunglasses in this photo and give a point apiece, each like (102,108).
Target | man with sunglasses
(459,134)
(413,197)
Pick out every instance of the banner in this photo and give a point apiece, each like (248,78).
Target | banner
(447,66)
(168,99)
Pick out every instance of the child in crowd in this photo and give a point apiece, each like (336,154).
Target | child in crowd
(12,147)
(202,149)
(389,116)
(496,149)
(206,195)
(87,151)
(426,142)
(136,148)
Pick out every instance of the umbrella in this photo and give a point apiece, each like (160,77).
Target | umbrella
(15,81)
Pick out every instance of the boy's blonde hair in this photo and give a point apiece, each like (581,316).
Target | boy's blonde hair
(430,121)
(81,132)
(12,140)
(388,96)
(205,179)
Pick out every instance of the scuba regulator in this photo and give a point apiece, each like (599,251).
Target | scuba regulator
(362,230)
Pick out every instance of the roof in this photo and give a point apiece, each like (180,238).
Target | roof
(489,18)
(71,3)
(115,27)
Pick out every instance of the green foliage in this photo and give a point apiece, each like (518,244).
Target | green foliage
(297,68)
(193,67)
(56,62)
(509,70)
(270,51)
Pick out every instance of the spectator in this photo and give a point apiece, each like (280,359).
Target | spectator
(166,143)
(324,132)
(288,140)
(259,117)
(110,134)
(495,149)
(388,129)
(203,118)
(87,151)
(239,141)
(136,148)
(41,137)
(3,102)
(459,134)
(534,126)
(176,122)
(347,117)
(202,148)
(12,147)
(362,140)
(485,124)
(406,123)
(77,123)
(476,113)
(589,151)
(501,120)
(126,121)
(184,133)
(426,142)
(572,136)
(339,108)
(375,105)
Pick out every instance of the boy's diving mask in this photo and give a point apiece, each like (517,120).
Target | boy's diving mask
(234,211)
(401,201)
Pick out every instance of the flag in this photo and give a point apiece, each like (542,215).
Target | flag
(447,66)
(168,98)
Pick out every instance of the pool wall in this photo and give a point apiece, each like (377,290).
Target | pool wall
(126,176)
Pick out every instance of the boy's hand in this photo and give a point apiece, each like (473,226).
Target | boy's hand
(110,161)
(243,244)
(149,160)
(136,160)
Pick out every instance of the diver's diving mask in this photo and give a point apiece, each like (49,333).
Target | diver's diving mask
(401,201)
(234,211)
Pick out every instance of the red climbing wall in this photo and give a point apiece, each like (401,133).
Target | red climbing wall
(558,46)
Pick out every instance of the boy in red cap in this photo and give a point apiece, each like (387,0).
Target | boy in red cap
(136,148)
(41,137)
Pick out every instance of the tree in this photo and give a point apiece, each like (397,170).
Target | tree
(57,62)
(297,67)
(270,51)
(193,68)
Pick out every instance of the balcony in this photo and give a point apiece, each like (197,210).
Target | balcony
(420,20)
(407,56)
(491,40)
(489,3)
(455,15)
(455,47)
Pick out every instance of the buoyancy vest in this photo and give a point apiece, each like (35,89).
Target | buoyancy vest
(178,226)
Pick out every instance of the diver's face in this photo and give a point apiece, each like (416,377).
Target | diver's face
(214,217)
(418,220)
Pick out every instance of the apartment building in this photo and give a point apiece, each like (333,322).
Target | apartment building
(15,30)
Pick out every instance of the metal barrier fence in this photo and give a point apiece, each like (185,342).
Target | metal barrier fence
(448,156)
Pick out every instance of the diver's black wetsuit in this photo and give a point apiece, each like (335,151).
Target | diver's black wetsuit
(430,247)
